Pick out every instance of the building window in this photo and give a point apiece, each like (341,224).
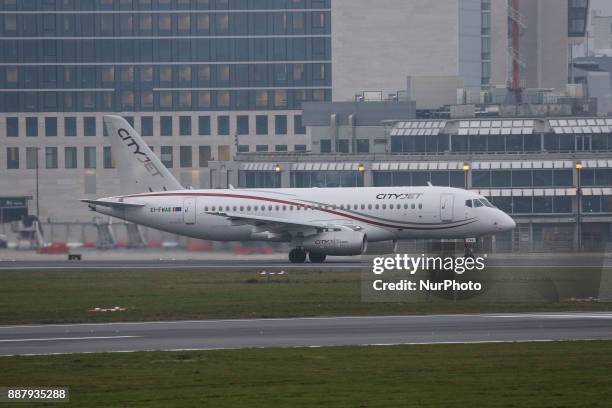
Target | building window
(298,127)
(165,125)
(89,126)
(70,126)
(261,148)
(146,126)
(363,146)
(51,157)
(280,124)
(280,98)
(70,157)
(204,73)
(261,124)
(204,155)
(185,125)
(165,100)
(261,98)
(318,71)
(12,158)
(203,22)
(243,148)
(89,153)
(12,127)
(325,146)
(107,158)
(204,99)
(31,127)
(242,124)
(259,179)
(280,148)
(223,126)
(186,160)
(204,125)
(184,22)
(166,156)
(31,157)
(223,99)
(300,148)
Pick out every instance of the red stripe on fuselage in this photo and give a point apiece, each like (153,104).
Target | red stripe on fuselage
(278,201)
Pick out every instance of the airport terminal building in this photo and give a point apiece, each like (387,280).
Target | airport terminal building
(553,175)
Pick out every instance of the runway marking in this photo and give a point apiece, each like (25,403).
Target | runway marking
(423,316)
(432,343)
(263,266)
(561,316)
(67,338)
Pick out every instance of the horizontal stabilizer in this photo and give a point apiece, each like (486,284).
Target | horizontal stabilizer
(113,204)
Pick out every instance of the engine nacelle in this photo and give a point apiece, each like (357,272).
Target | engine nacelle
(337,242)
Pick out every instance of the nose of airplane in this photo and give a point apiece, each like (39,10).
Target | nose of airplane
(505,222)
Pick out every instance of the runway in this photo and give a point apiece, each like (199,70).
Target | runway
(562,261)
(310,332)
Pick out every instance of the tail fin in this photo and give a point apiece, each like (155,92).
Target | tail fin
(139,169)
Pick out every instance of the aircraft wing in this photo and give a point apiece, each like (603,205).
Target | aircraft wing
(271,224)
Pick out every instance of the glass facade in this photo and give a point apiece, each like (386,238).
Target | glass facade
(108,56)
(259,179)
(339,178)
(451,178)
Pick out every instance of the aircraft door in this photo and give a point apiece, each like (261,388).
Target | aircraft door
(447,203)
(189,210)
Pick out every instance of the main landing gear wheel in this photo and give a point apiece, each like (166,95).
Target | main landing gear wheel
(297,255)
(316,258)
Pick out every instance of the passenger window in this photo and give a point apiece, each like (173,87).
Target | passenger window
(412,206)
(391,206)
(405,206)
(377,206)
(277,208)
(369,206)
(384,206)
(284,208)
(241,208)
(213,208)
(420,206)
(363,206)
(248,208)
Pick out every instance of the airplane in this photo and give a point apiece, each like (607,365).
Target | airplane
(316,222)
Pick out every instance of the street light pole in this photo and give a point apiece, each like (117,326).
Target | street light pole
(37,188)
(579,206)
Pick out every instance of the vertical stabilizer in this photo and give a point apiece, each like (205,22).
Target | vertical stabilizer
(139,169)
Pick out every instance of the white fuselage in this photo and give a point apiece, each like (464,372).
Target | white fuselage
(381,213)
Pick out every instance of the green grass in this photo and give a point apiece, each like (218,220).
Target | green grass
(58,296)
(560,374)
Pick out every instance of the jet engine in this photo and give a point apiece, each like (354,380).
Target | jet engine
(337,242)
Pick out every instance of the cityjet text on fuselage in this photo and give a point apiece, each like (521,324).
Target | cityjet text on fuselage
(398,196)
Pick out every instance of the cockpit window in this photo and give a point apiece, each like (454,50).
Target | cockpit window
(468,203)
(478,203)
(487,202)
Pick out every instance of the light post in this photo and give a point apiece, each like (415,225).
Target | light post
(37,194)
(466,169)
(579,205)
